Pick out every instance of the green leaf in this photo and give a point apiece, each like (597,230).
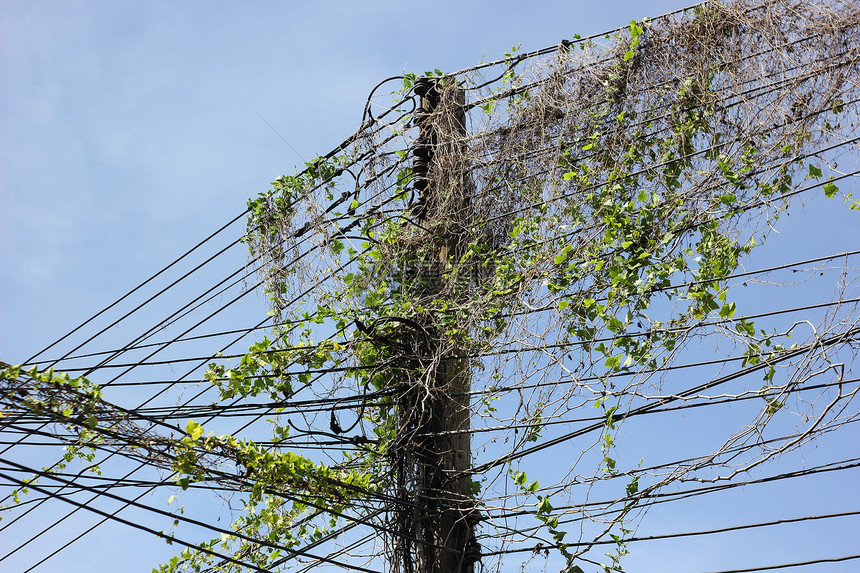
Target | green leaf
(814,171)
(728,310)
(194,430)
(544,506)
(633,487)
(830,190)
(745,327)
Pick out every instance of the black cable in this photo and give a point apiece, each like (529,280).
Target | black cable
(253,409)
(565,43)
(651,332)
(153,297)
(201,243)
(232,532)
(482,354)
(651,499)
(189,331)
(769,88)
(756,91)
(823,343)
(188,308)
(684,406)
(275,493)
(679,285)
(644,170)
(734,527)
(794,564)
(659,537)
(138,287)
(220,474)
(161,534)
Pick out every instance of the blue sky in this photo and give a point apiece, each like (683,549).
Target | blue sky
(131,130)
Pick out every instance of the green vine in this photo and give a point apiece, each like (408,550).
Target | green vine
(591,222)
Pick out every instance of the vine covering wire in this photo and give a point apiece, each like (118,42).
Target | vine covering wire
(502,270)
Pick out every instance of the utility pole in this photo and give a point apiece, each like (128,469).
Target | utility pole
(444,517)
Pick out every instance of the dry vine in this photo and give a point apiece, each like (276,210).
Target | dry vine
(513,262)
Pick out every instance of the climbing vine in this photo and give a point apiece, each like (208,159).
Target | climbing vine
(527,249)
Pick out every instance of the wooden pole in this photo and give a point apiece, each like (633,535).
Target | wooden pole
(444,523)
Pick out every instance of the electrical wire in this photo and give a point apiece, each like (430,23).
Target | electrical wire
(163,414)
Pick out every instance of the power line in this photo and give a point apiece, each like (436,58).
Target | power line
(252,409)
(160,534)
(829,341)
(794,564)
(138,287)
(679,535)
(765,270)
